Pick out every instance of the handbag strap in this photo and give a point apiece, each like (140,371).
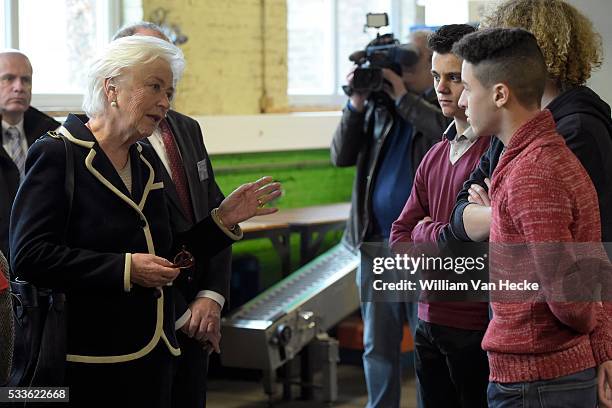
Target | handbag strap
(69,178)
(30,297)
(68,181)
(56,298)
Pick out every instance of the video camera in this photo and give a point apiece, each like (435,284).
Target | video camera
(383,52)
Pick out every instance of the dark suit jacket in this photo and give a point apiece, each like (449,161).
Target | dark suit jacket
(35,124)
(359,141)
(108,321)
(211,273)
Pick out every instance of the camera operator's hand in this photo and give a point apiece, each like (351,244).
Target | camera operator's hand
(397,88)
(357,99)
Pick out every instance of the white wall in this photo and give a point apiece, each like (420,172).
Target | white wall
(270,132)
(600,13)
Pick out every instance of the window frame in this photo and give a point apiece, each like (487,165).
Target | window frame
(108,14)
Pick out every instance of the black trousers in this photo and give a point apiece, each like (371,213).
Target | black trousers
(452,368)
(145,382)
(189,385)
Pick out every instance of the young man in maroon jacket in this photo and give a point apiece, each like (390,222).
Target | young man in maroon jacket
(451,367)
(542,351)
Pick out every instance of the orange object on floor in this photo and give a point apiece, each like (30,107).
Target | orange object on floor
(350,335)
(407,341)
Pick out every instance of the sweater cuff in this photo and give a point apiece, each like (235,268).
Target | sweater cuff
(350,107)
(350,110)
(456,225)
(601,338)
(602,350)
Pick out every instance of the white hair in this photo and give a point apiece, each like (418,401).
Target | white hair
(121,55)
(131,29)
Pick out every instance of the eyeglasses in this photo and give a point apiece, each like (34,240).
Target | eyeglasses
(183,259)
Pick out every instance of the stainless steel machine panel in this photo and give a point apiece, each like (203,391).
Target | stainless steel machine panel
(273,327)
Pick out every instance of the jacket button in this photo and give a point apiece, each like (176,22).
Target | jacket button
(142,223)
(190,279)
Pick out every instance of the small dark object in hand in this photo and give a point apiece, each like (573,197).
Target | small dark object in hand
(183,259)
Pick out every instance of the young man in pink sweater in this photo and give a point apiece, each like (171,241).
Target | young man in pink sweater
(541,353)
(451,367)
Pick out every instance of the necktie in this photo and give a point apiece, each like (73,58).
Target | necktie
(15,149)
(179,177)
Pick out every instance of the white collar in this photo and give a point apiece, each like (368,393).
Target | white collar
(19,126)
(451,133)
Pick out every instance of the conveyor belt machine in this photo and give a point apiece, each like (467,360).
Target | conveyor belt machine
(272,328)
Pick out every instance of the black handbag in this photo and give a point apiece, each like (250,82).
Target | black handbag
(39,356)
(7,330)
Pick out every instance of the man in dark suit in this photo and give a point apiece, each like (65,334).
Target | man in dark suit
(21,126)
(192,191)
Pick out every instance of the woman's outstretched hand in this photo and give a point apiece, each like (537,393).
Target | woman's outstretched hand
(249,200)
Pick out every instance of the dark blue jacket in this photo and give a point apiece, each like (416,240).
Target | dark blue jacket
(359,140)
(109,320)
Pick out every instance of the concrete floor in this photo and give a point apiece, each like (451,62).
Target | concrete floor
(224,393)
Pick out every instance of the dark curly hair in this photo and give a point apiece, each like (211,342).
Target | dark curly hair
(508,55)
(443,39)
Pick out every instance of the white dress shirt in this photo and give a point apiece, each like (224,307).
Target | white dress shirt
(459,144)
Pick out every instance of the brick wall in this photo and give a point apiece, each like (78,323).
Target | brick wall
(236,55)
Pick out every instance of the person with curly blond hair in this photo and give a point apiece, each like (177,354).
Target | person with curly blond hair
(570,47)
(571,50)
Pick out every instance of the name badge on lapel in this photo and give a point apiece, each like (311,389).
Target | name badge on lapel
(202,170)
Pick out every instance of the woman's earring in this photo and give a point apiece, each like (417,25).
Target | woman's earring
(114,104)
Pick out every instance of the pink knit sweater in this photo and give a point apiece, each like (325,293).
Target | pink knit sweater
(541,193)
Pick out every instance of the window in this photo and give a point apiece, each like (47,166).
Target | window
(59,37)
(3,30)
(323,33)
(440,12)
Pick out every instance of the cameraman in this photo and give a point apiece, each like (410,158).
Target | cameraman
(386,138)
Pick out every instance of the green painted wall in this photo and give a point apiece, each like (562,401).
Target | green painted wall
(308,178)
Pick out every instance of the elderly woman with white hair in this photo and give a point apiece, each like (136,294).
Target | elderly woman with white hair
(108,249)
